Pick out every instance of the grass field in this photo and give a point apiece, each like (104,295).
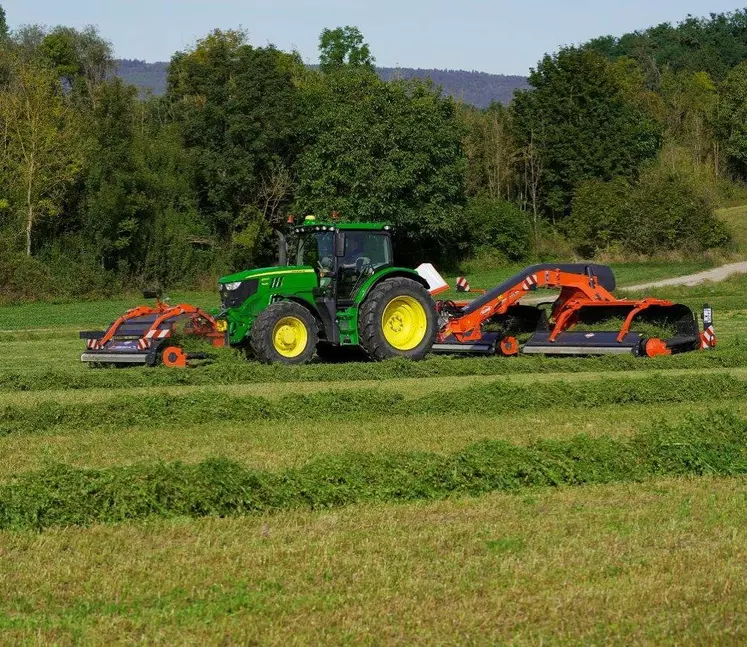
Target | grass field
(457,500)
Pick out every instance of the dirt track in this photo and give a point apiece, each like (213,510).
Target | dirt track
(716,274)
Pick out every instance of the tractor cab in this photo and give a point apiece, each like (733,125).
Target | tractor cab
(343,255)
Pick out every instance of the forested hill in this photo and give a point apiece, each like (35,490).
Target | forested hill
(476,88)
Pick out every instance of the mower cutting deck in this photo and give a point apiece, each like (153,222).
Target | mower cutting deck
(575,324)
(145,335)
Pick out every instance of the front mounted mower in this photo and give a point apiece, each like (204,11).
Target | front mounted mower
(152,334)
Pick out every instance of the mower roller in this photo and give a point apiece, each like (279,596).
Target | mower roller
(151,334)
(343,290)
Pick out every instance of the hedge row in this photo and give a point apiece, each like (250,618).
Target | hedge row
(713,444)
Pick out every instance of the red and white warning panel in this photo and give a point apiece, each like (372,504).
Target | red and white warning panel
(708,336)
(462,284)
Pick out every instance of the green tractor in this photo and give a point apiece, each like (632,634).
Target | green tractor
(341,290)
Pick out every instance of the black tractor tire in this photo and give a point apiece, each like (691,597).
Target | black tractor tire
(371,325)
(263,334)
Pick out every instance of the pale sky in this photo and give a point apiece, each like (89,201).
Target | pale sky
(498,36)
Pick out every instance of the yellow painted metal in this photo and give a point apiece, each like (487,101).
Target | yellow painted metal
(404,322)
(290,337)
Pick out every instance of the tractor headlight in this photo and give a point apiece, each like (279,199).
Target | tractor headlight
(233,295)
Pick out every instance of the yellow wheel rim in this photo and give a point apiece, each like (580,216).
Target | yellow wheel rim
(290,337)
(404,323)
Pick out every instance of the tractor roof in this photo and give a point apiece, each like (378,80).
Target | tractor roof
(343,226)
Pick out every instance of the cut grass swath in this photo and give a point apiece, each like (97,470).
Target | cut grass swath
(714,444)
(238,371)
(493,398)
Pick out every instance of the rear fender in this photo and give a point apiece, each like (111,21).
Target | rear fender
(383,275)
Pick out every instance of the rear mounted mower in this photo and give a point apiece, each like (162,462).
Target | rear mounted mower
(576,321)
(152,334)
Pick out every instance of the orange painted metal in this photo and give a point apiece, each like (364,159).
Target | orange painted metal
(656,347)
(202,324)
(577,291)
(509,346)
(174,357)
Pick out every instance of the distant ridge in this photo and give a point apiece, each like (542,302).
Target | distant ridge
(475,88)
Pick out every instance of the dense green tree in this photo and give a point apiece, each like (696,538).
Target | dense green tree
(4,31)
(582,121)
(81,59)
(497,228)
(237,107)
(732,119)
(492,153)
(597,222)
(713,45)
(343,46)
(660,212)
(382,151)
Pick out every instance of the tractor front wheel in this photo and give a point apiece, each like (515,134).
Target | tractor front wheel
(397,319)
(284,332)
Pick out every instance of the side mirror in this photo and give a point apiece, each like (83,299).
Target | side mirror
(339,244)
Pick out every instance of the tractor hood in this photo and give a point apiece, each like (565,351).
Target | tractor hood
(265,272)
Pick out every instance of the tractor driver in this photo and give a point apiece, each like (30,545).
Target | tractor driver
(355,252)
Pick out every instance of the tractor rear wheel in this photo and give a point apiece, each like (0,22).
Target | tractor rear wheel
(397,319)
(284,332)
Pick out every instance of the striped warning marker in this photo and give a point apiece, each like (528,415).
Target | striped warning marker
(157,334)
(143,344)
(462,285)
(92,344)
(708,338)
(529,282)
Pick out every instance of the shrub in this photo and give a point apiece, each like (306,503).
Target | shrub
(661,212)
(492,226)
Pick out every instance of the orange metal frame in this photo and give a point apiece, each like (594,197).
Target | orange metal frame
(576,291)
(164,312)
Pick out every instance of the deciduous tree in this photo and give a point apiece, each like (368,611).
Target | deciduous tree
(343,46)
(43,149)
(583,123)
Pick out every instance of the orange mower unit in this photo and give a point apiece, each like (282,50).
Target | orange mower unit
(150,335)
(576,322)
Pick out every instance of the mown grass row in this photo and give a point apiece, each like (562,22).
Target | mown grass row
(493,398)
(714,444)
(239,371)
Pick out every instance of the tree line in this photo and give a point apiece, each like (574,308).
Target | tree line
(101,189)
